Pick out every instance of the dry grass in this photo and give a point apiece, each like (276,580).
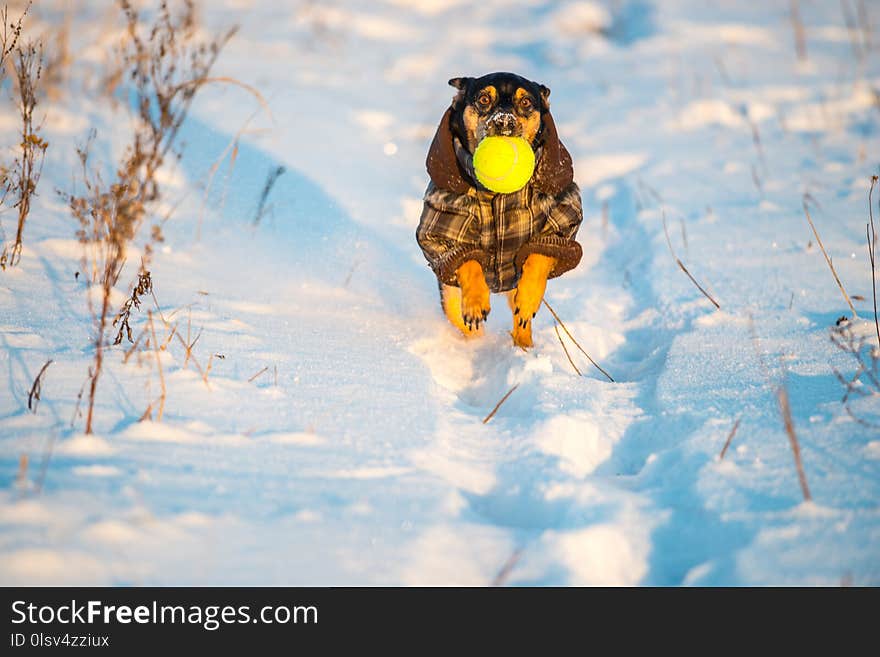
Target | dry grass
(576,344)
(681,264)
(872,244)
(143,287)
(166,63)
(859,39)
(797,25)
(36,388)
(160,402)
(21,479)
(782,399)
(865,381)
(20,181)
(729,438)
(9,35)
(504,573)
(828,259)
(498,405)
(785,410)
(271,179)
(564,348)
(261,372)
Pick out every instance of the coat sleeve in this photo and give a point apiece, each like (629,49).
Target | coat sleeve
(564,215)
(449,233)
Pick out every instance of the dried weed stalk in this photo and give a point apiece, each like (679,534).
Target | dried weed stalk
(872,243)
(20,181)
(498,405)
(37,387)
(143,287)
(729,438)
(273,176)
(797,25)
(828,258)
(782,399)
(785,410)
(682,267)
(165,66)
(576,343)
(865,381)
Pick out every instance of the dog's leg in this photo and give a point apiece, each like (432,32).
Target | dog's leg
(467,306)
(474,294)
(526,299)
(450,300)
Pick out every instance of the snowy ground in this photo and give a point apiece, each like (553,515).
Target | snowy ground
(364,460)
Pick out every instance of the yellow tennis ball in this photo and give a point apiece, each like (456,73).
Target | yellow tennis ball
(504,164)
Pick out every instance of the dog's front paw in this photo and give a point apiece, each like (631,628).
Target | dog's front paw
(522,336)
(528,296)
(475,304)
(525,304)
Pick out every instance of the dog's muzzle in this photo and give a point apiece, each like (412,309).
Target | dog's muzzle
(502,123)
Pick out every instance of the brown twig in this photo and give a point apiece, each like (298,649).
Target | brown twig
(872,241)
(797,24)
(604,220)
(502,575)
(498,405)
(21,477)
(76,411)
(271,179)
(568,333)
(865,382)
(565,349)
(729,438)
(143,286)
(681,265)
(250,380)
(785,409)
(159,365)
(191,356)
(828,260)
(34,394)
(851,29)
(208,369)
(133,348)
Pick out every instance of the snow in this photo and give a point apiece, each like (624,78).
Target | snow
(360,455)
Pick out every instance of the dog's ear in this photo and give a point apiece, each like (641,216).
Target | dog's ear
(442,164)
(554,171)
(461,84)
(545,97)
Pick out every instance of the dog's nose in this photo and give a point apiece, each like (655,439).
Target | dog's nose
(503,122)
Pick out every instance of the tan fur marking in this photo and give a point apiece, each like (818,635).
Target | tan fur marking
(471,120)
(532,123)
(528,295)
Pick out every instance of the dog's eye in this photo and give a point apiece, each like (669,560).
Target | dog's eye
(526,102)
(484,100)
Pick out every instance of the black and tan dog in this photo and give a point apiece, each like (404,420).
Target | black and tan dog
(478,241)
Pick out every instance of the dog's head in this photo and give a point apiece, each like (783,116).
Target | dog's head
(499,104)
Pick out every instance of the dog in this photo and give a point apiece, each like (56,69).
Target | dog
(479,242)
